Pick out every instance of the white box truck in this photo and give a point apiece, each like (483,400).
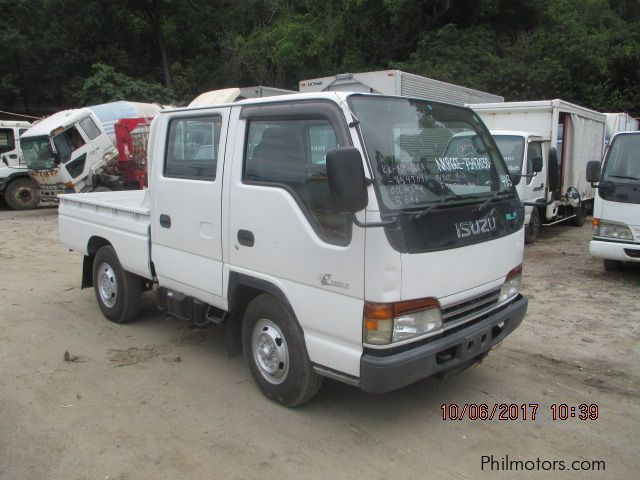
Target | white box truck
(619,122)
(616,212)
(18,190)
(396,82)
(328,232)
(571,136)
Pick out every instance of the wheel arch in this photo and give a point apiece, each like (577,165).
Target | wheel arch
(242,289)
(94,244)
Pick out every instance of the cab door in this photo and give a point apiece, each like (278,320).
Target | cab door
(186,220)
(534,187)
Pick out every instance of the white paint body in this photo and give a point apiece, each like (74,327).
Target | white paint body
(583,138)
(198,253)
(10,133)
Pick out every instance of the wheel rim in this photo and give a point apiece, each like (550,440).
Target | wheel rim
(270,351)
(24,195)
(107,285)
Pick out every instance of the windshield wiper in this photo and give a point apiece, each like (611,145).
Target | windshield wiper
(434,205)
(626,177)
(494,196)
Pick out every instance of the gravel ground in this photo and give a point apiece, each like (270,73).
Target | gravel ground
(154,400)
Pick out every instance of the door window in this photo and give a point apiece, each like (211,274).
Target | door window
(7,142)
(90,128)
(534,149)
(291,154)
(67,142)
(192,148)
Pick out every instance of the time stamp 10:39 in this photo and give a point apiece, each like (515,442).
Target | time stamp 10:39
(518,411)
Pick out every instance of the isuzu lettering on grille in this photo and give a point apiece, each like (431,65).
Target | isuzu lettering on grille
(476,227)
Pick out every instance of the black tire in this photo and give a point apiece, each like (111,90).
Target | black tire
(533,228)
(580,213)
(293,380)
(111,281)
(22,194)
(612,265)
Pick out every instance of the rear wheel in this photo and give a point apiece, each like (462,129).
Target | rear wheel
(533,228)
(22,194)
(119,293)
(275,350)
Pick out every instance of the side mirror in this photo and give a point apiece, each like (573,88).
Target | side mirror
(536,165)
(593,172)
(347,182)
(553,170)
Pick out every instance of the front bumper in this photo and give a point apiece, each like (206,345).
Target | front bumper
(379,374)
(625,252)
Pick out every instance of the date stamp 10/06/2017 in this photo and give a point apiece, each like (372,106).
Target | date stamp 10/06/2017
(518,411)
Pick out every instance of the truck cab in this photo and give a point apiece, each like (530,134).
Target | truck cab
(520,151)
(616,213)
(328,232)
(18,190)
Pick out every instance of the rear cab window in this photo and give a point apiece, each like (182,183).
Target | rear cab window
(192,148)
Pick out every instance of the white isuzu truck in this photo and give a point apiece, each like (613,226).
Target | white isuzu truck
(616,213)
(328,232)
(570,136)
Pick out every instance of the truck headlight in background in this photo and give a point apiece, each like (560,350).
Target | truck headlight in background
(386,323)
(511,286)
(615,230)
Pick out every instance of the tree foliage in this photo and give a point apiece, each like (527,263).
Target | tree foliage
(61,53)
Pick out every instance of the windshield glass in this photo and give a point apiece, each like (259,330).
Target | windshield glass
(622,164)
(426,152)
(512,150)
(37,153)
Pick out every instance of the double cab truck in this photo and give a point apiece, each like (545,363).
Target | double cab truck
(327,232)
(571,136)
(616,212)
(18,190)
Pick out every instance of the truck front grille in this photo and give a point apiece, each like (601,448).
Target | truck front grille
(459,313)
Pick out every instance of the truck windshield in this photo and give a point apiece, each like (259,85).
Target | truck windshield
(425,153)
(37,153)
(512,150)
(622,163)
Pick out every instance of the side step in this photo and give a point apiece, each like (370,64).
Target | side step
(198,314)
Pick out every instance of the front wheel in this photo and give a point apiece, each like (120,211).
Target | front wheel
(533,227)
(275,350)
(119,293)
(580,213)
(22,194)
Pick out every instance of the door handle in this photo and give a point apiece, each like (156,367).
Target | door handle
(165,221)
(245,238)
(537,189)
(13,156)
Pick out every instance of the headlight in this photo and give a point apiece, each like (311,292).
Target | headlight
(386,323)
(605,228)
(511,286)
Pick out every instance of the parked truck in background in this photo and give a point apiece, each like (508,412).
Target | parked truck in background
(396,82)
(18,190)
(616,212)
(619,122)
(570,136)
(255,218)
(71,150)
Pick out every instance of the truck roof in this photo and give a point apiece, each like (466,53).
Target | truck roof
(549,105)
(63,118)
(14,123)
(517,133)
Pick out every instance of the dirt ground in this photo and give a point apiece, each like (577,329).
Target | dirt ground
(153,400)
